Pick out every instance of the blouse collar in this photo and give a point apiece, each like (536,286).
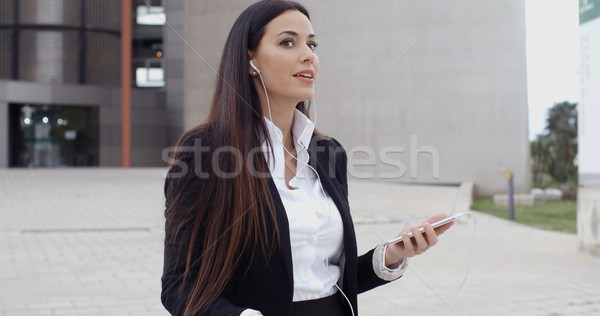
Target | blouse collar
(302,130)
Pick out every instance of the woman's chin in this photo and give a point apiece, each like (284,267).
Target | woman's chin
(305,96)
(300,96)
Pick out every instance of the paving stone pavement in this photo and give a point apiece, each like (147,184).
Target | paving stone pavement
(89,242)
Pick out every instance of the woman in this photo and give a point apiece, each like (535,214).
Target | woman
(257,214)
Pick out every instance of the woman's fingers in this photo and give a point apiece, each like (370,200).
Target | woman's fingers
(419,239)
(409,248)
(431,234)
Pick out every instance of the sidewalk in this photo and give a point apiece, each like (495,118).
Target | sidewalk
(89,242)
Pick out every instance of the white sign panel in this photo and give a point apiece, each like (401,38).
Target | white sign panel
(589,107)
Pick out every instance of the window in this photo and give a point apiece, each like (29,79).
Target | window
(149,77)
(150,15)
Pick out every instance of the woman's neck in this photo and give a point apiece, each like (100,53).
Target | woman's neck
(282,115)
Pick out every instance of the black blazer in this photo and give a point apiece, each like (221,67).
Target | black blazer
(268,285)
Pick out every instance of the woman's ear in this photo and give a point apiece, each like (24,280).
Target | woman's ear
(251,70)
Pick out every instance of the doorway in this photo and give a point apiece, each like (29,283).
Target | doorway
(43,135)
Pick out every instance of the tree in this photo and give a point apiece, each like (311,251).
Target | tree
(561,126)
(541,159)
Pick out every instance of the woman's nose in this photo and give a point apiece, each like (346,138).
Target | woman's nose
(309,55)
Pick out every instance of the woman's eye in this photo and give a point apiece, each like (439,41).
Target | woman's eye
(287,43)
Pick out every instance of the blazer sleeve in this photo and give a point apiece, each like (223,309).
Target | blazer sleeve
(173,296)
(367,279)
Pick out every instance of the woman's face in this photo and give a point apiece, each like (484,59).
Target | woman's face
(287,50)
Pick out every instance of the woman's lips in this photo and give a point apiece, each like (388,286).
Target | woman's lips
(304,79)
(309,75)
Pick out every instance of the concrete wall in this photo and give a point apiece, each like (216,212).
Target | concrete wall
(173,44)
(456,94)
(148,117)
(207,24)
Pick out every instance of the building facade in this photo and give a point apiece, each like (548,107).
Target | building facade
(59,84)
(417,92)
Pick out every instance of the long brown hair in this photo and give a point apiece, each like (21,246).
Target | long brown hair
(227,216)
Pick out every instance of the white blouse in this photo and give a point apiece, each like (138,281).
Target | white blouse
(316,230)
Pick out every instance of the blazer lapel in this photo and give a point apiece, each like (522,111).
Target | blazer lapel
(284,232)
(319,160)
(336,192)
(332,187)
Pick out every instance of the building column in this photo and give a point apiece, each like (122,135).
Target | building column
(126,83)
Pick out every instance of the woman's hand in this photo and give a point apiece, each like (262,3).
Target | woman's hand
(410,247)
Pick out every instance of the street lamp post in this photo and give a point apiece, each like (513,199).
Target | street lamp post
(511,196)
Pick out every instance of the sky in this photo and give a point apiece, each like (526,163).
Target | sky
(553,55)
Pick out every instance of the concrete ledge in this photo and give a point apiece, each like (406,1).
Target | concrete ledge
(549,194)
(464,197)
(588,220)
(520,199)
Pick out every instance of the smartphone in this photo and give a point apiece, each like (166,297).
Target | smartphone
(434,225)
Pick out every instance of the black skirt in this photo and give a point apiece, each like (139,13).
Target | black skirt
(334,305)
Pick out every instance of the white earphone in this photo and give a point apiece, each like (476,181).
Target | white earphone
(254,67)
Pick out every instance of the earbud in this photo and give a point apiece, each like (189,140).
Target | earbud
(253,67)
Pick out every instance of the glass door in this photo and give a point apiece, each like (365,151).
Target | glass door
(53,135)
